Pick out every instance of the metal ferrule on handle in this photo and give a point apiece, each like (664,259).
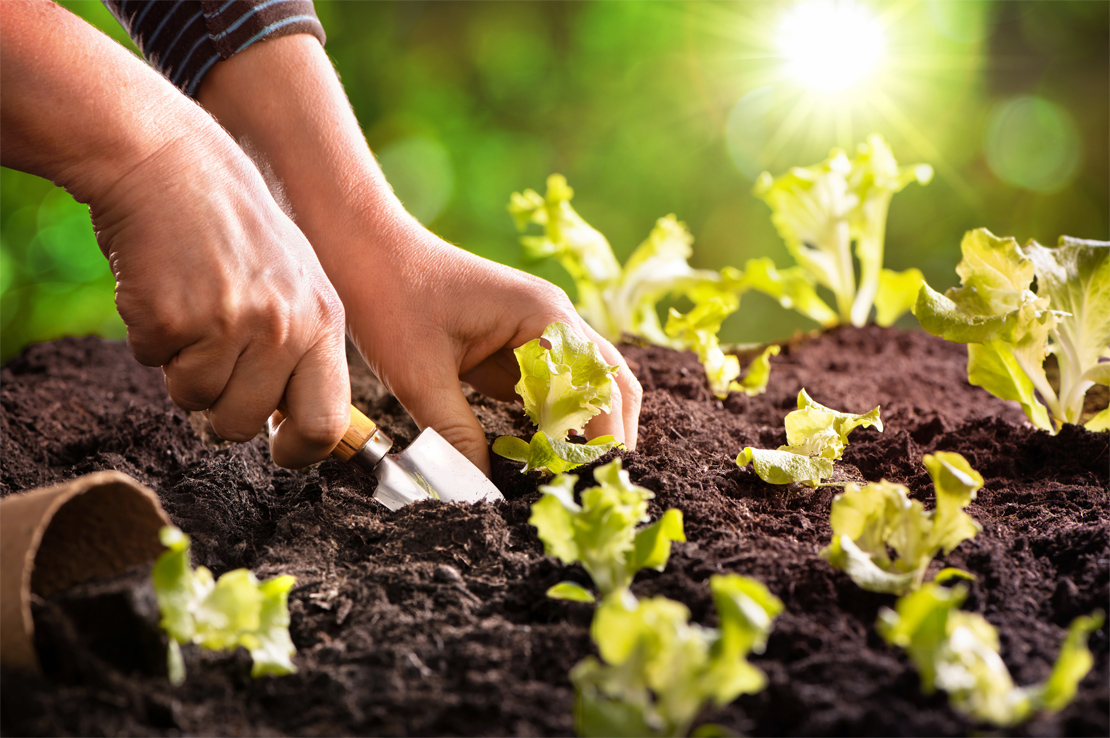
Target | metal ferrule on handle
(372,452)
(364,444)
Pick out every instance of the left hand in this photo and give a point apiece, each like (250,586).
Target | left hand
(433,314)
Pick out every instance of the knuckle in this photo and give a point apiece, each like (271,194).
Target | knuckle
(556,297)
(274,323)
(330,310)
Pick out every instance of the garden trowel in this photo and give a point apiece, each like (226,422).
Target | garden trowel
(429,469)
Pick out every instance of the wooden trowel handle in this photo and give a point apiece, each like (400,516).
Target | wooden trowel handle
(358,433)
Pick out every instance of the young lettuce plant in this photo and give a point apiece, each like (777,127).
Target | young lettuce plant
(601,533)
(657,671)
(698,330)
(958,652)
(820,211)
(221,614)
(562,388)
(1010,330)
(615,300)
(815,438)
(867,522)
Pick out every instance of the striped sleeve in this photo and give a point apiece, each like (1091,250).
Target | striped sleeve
(183,39)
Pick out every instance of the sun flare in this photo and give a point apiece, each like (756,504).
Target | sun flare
(830,45)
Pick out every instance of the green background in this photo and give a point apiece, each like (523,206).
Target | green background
(652,108)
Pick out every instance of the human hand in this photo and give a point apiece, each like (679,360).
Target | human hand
(431,314)
(219,288)
(216,285)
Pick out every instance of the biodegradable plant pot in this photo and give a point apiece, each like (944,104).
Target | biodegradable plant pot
(94,527)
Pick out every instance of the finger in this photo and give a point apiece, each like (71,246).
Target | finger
(496,376)
(438,402)
(197,375)
(622,422)
(254,389)
(318,397)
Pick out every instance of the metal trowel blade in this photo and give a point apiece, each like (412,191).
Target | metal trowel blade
(431,468)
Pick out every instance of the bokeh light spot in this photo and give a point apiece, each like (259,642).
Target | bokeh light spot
(1032,143)
(421,173)
(830,45)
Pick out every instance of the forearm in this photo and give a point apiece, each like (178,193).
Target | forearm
(283,99)
(77,108)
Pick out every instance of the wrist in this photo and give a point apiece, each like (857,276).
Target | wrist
(301,128)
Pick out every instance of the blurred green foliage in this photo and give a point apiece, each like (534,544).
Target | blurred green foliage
(652,108)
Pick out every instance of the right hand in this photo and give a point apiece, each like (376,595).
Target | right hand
(221,289)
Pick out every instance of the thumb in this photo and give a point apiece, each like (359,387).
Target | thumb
(438,402)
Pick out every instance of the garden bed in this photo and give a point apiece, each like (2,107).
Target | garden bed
(433,620)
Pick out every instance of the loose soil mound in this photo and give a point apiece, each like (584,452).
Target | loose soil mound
(433,621)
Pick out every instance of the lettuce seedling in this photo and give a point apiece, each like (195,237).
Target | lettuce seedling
(1010,329)
(601,533)
(657,671)
(221,614)
(958,652)
(815,438)
(615,300)
(697,330)
(562,388)
(820,211)
(867,523)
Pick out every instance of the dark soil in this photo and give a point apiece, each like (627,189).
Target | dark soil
(433,621)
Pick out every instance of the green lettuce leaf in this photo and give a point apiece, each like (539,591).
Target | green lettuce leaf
(1075,277)
(553,457)
(656,269)
(579,249)
(566,385)
(601,533)
(941,316)
(1071,666)
(615,300)
(270,645)
(758,373)
(794,288)
(1010,328)
(570,591)
(657,671)
(815,438)
(994,367)
(221,614)
(958,652)
(875,178)
(870,522)
(562,388)
(652,547)
(821,210)
(956,485)
(784,467)
(697,331)
(896,294)
(816,430)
